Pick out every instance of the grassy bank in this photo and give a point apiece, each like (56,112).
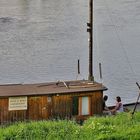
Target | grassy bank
(119,127)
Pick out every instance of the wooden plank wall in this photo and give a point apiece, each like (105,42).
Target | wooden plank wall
(6,116)
(96,103)
(62,106)
(43,107)
(37,108)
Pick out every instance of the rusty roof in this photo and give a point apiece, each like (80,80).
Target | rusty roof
(59,87)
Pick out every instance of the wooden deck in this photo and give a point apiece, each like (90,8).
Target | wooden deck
(131,106)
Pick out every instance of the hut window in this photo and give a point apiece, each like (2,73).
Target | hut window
(81,105)
(84,105)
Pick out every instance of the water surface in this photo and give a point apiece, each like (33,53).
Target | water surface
(41,41)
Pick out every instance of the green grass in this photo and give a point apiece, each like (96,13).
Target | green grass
(119,127)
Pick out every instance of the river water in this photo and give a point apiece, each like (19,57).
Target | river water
(41,41)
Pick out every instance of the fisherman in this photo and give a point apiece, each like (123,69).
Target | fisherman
(106,110)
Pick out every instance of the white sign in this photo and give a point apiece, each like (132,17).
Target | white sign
(18,103)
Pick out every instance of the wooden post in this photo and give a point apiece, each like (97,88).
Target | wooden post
(90,29)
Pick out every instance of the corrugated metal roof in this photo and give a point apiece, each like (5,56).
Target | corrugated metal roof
(59,87)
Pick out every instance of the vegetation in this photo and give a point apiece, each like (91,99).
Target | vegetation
(119,127)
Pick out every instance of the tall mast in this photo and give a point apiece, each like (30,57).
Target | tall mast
(90,30)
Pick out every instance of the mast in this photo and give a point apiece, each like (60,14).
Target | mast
(90,30)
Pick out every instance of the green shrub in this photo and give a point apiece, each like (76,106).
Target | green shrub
(42,130)
(119,127)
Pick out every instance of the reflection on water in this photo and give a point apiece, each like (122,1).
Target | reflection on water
(41,40)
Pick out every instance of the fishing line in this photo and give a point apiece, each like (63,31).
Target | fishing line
(121,43)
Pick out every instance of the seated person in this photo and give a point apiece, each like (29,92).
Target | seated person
(119,106)
(105,108)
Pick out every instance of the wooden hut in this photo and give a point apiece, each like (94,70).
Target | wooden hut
(71,99)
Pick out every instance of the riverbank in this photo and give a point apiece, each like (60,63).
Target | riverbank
(119,127)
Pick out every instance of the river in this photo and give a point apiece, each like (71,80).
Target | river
(41,41)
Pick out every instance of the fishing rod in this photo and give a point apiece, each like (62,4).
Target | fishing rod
(136,101)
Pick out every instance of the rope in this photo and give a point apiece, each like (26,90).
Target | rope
(121,43)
